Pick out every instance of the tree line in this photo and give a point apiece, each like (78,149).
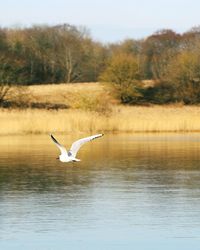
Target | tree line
(65,53)
(44,54)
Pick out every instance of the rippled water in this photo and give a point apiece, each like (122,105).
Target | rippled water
(128,192)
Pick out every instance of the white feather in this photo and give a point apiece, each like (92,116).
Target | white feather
(77,144)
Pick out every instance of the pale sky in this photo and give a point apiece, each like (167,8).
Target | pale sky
(107,21)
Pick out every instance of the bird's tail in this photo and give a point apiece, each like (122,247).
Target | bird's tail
(75,159)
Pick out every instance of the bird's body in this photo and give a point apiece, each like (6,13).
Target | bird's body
(67,158)
(70,156)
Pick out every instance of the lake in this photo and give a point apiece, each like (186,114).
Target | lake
(132,191)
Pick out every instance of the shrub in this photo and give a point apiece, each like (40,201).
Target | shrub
(160,93)
(122,75)
(183,74)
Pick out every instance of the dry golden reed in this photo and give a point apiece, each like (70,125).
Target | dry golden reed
(121,119)
(93,110)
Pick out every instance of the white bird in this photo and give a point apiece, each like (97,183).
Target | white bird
(71,155)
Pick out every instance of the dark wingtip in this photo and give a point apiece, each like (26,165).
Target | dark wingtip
(53,139)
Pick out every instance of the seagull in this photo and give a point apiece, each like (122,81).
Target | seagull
(71,154)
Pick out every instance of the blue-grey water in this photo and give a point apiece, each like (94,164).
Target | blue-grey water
(128,192)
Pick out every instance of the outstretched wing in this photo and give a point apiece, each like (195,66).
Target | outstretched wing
(77,144)
(61,147)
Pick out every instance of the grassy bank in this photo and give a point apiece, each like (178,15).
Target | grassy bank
(92,109)
(120,119)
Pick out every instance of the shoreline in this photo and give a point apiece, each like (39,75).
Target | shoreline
(122,119)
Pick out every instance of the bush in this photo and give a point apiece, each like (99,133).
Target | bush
(183,74)
(160,93)
(14,96)
(98,103)
(122,75)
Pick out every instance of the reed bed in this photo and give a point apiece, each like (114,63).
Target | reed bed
(121,119)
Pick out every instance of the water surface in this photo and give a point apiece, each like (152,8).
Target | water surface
(128,192)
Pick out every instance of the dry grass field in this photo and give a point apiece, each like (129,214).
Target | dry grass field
(91,109)
(78,96)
